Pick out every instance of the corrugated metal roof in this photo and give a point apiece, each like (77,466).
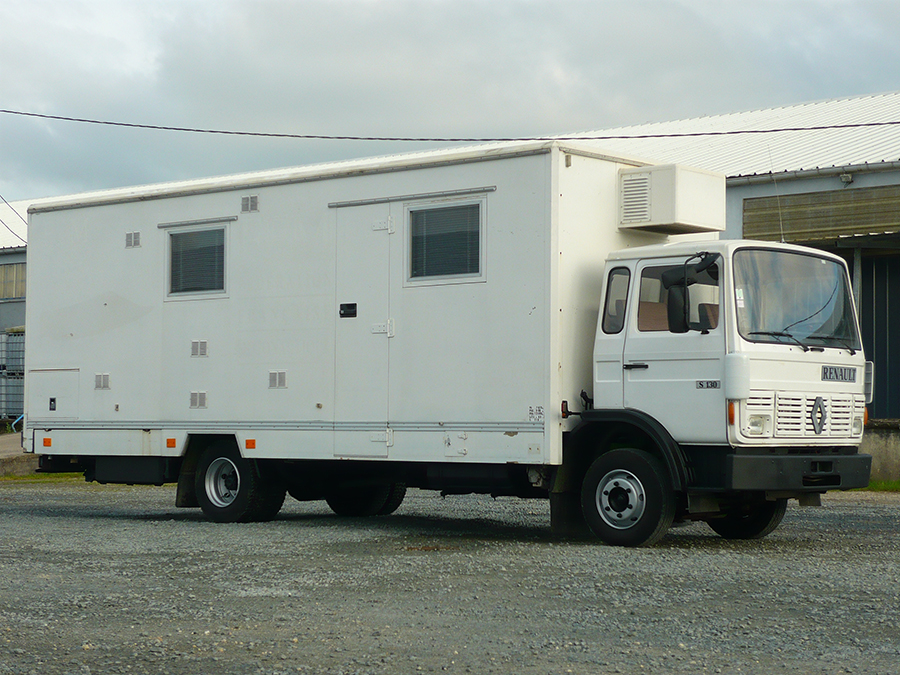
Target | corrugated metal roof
(779,149)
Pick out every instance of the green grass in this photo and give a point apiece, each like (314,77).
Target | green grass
(884,486)
(46,478)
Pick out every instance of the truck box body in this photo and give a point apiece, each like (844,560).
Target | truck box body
(467,367)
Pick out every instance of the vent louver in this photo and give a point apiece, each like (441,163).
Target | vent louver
(250,204)
(636,198)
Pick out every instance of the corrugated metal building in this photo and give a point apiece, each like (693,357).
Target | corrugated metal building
(12,308)
(823,174)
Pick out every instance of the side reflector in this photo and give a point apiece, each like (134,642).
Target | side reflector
(48,442)
(250,444)
(170,443)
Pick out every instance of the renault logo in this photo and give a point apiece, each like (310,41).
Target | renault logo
(818,415)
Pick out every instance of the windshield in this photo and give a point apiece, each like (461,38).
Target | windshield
(793,298)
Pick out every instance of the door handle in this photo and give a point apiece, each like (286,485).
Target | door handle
(635,366)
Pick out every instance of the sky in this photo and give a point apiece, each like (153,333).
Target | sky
(407,68)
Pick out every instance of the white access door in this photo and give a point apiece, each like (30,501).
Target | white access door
(363,330)
(676,378)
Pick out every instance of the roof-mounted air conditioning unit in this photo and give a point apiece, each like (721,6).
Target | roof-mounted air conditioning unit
(671,199)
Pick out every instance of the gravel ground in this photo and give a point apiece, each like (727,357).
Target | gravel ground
(114,579)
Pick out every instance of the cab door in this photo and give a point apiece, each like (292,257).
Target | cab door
(676,378)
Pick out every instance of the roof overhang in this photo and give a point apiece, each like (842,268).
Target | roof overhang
(849,169)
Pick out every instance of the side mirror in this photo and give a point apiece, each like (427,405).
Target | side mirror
(706,262)
(676,305)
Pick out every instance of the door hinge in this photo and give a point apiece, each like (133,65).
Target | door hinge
(386,328)
(386,225)
(386,437)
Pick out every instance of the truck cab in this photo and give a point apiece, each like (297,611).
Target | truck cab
(736,369)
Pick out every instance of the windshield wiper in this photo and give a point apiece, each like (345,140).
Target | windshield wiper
(841,342)
(780,333)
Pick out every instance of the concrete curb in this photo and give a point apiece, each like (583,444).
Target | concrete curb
(18,465)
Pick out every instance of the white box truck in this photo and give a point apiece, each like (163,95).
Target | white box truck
(529,319)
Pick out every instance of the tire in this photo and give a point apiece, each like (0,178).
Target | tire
(367,500)
(394,500)
(627,499)
(752,521)
(230,489)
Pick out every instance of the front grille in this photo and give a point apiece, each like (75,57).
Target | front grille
(796,415)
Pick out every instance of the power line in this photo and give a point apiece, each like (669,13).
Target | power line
(323,137)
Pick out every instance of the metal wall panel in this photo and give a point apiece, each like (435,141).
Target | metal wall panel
(880,319)
(823,216)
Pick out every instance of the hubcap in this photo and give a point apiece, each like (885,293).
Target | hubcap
(620,499)
(222,482)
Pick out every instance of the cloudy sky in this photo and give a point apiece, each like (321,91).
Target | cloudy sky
(410,68)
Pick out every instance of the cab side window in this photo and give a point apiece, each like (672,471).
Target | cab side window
(653,299)
(616,300)
(652,312)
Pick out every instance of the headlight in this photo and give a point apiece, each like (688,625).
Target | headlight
(758,425)
(857,426)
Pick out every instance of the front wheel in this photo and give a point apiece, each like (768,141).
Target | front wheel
(626,498)
(230,488)
(751,521)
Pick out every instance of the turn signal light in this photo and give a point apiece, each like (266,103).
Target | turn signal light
(731,413)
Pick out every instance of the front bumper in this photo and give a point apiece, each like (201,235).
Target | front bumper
(800,473)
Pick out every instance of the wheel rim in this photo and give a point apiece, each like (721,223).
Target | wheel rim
(223,482)
(620,499)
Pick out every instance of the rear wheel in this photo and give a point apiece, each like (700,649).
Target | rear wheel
(751,521)
(230,488)
(367,500)
(626,498)
(395,498)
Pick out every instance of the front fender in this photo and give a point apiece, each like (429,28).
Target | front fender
(606,426)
